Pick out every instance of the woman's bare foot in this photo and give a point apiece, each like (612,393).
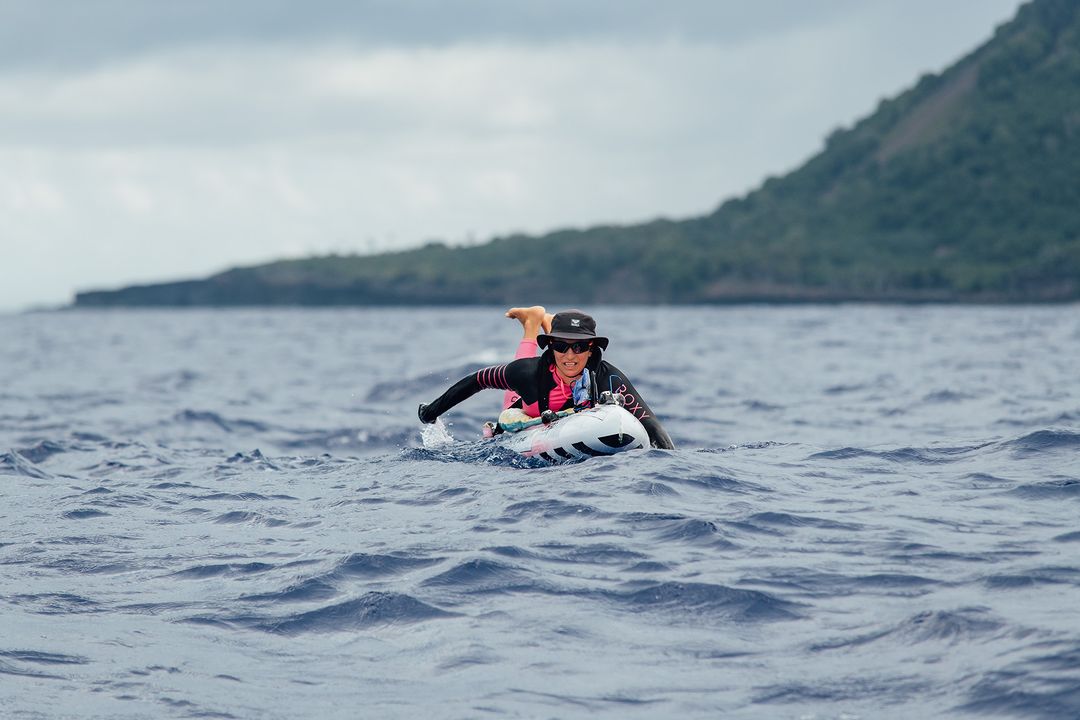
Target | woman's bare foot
(533,320)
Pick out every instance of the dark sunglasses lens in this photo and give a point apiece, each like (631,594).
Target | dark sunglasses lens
(579,347)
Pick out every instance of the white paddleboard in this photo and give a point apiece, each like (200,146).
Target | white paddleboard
(602,430)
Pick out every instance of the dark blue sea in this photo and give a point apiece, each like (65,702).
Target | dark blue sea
(873,512)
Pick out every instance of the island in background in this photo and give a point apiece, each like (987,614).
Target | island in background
(965,188)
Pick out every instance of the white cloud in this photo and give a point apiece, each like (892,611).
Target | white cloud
(133,198)
(30,196)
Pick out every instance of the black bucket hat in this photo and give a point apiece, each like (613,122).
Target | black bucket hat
(572,325)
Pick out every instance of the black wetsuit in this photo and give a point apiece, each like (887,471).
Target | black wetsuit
(531,379)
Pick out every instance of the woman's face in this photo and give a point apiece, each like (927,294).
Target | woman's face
(571,359)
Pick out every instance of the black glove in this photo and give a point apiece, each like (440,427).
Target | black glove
(424,415)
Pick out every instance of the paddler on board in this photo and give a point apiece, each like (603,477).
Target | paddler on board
(570,373)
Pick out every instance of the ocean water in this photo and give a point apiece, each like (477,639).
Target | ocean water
(873,512)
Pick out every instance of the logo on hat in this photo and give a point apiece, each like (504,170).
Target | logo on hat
(575,322)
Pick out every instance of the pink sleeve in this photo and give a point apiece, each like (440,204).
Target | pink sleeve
(526,349)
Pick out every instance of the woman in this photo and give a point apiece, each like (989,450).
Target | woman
(570,373)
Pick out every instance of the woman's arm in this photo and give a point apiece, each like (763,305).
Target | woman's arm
(483,379)
(616,381)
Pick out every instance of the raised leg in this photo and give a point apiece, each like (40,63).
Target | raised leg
(534,320)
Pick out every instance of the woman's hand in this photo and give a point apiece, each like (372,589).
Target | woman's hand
(425,417)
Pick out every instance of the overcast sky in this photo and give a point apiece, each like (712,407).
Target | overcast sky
(143,141)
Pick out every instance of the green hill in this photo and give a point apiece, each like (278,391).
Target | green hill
(963,188)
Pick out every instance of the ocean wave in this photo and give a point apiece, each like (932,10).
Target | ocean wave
(218,421)
(213,570)
(1043,441)
(778,519)
(372,610)
(1050,490)
(813,583)
(548,509)
(347,439)
(1043,684)
(13,463)
(46,449)
(883,690)
(481,576)
(56,604)
(84,514)
(594,554)
(363,565)
(479,453)
(678,528)
(37,664)
(706,601)
(906,455)
(949,627)
(1034,577)
(309,590)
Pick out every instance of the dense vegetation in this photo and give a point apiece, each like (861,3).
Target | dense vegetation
(963,188)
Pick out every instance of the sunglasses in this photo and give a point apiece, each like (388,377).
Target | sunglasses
(578,346)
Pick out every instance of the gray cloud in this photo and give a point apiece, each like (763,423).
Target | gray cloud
(57,33)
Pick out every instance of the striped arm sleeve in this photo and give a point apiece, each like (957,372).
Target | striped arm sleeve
(493,378)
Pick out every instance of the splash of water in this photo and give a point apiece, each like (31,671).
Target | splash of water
(436,436)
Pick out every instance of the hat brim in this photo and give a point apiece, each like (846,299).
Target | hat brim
(543,340)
